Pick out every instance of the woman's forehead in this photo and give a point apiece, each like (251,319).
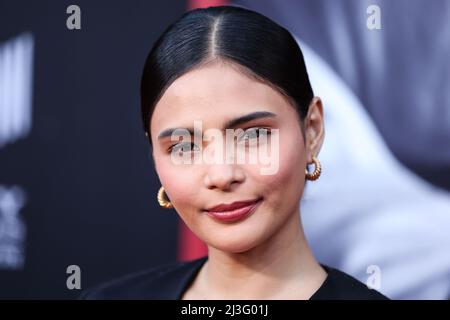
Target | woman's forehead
(216,82)
(216,92)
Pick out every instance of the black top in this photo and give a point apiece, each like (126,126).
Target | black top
(170,281)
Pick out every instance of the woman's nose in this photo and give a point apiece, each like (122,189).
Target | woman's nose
(223,176)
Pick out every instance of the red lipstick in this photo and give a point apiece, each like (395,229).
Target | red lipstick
(233,211)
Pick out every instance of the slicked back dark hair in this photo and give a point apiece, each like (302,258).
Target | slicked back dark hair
(248,40)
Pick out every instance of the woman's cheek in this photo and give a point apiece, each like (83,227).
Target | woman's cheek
(179,182)
(286,181)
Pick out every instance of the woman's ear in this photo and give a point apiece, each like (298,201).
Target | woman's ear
(314,129)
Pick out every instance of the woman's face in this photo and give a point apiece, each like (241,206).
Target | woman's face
(216,94)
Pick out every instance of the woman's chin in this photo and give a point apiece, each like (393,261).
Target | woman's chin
(233,247)
(234,242)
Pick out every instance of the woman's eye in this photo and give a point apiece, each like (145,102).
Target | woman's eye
(184,147)
(254,133)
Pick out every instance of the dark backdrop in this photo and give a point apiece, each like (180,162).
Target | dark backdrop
(85,167)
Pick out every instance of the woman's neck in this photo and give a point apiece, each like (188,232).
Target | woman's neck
(283,267)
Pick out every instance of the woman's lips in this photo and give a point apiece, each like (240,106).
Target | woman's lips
(235,211)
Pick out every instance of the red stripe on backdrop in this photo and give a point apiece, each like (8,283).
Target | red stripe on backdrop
(189,246)
(194,4)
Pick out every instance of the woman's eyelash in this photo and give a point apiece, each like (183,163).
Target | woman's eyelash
(258,130)
(179,146)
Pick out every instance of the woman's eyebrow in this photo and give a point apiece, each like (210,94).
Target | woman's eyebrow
(229,124)
(249,117)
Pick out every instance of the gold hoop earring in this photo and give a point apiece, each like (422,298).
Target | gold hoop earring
(317,170)
(162,199)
